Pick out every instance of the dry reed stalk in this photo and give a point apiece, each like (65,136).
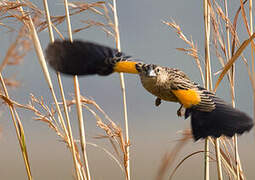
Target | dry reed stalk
(228,161)
(42,62)
(218,158)
(249,31)
(206,159)
(237,160)
(231,76)
(229,58)
(252,79)
(113,132)
(234,57)
(78,104)
(46,74)
(81,127)
(78,167)
(252,49)
(252,56)
(48,20)
(13,53)
(207,22)
(217,143)
(70,136)
(208,84)
(232,87)
(232,80)
(19,130)
(123,90)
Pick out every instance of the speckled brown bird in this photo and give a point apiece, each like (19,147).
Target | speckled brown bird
(210,115)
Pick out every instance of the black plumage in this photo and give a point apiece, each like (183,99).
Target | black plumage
(223,120)
(81,58)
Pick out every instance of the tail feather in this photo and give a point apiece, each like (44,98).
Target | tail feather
(223,120)
(81,58)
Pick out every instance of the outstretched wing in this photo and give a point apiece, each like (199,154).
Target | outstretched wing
(210,115)
(87,58)
(222,120)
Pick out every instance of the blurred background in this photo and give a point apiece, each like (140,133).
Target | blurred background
(153,130)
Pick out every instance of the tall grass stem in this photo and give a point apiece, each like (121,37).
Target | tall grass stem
(207,80)
(19,131)
(70,136)
(78,103)
(123,90)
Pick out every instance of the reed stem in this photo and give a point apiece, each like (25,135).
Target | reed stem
(207,80)
(123,90)
(78,103)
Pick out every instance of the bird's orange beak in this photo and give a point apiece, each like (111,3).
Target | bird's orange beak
(126,67)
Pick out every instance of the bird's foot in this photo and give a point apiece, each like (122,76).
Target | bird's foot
(157,101)
(180,111)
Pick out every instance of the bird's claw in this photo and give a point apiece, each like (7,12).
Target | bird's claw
(180,111)
(157,101)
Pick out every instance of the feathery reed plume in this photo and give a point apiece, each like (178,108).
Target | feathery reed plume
(192,51)
(169,158)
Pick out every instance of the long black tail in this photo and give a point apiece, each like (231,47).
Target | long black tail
(223,120)
(81,58)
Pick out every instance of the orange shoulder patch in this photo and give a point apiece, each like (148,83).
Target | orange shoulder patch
(187,97)
(126,67)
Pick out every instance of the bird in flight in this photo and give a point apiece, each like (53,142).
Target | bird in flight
(210,115)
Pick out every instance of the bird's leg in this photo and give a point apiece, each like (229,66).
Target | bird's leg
(180,111)
(157,101)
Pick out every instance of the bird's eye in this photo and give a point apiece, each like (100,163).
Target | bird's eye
(157,70)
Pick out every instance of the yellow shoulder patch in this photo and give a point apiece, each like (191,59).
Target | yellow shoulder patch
(125,67)
(187,97)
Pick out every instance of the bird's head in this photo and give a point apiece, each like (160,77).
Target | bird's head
(149,70)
